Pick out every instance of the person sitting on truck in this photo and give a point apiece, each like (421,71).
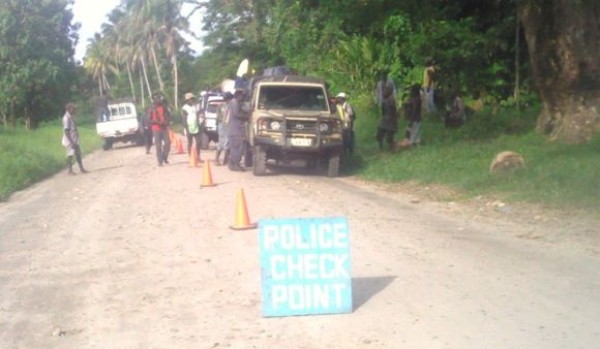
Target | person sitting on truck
(191,123)
(102,107)
(160,117)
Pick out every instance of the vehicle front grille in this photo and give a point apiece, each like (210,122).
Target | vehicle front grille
(301,126)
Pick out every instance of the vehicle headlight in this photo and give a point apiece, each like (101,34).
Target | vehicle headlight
(324,127)
(275,125)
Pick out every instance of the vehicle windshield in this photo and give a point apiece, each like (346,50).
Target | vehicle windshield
(121,111)
(212,107)
(292,98)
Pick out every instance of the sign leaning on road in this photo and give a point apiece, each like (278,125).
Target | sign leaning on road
(305,266)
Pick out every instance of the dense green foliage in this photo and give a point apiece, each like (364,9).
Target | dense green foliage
(36,52)
(345,42)
(349,42)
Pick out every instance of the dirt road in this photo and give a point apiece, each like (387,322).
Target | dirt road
(136,256)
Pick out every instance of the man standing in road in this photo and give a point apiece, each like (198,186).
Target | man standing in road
(146,127)
(222,127)
(70,139)
(160,118)
(236,131)
(191,123)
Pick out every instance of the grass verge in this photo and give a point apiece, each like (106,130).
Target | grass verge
(555,175)
(27,156)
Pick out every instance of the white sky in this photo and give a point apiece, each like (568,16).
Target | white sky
(92,13)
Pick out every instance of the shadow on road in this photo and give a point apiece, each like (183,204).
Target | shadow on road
(102,169)
(365,288)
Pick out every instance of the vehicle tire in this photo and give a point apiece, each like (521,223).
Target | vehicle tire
(108,143)
(333,166)
(248,157)
(259,167)
(204,141)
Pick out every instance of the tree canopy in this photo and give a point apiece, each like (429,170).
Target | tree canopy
(509,52)
(36,58)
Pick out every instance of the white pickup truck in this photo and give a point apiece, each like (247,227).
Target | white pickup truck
(121,124)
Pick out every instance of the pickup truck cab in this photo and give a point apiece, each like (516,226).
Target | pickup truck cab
(121,124)
(209,110)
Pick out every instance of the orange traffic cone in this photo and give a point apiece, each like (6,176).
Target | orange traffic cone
(194,158)
(179,146)
(242,221)
(207,180)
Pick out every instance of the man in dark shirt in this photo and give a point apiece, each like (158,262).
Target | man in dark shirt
(236,131)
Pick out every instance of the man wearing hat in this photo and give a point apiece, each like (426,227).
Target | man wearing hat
(191,123)
(236,130)
(160,117)
(346,114)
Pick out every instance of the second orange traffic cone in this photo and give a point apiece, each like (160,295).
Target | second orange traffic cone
(193,158)
(242,220)
(207,180)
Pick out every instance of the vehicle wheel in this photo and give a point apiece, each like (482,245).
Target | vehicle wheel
(204,141)
(333,168)
(248,157)
(260,161)
(108,143)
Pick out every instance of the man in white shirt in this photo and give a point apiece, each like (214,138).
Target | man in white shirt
(70,139)
(191,123)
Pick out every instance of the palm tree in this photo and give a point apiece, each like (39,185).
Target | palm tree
(173,24)
(97,63)
(144,22)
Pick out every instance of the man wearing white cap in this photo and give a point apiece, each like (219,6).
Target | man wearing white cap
(191,123)
(347,115)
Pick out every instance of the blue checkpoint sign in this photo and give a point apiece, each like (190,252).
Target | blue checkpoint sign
(305,266)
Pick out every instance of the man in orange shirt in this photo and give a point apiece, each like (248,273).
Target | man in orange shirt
(160,117)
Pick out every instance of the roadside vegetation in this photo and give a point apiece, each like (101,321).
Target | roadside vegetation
(555,175)
(28,156)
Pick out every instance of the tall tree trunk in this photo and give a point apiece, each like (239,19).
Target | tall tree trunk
(131,81)
(176,82)
(142,91)
(146,76)
(517,64)
(155,60)
(562,37)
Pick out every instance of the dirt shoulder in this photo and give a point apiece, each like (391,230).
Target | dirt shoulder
(573,227)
